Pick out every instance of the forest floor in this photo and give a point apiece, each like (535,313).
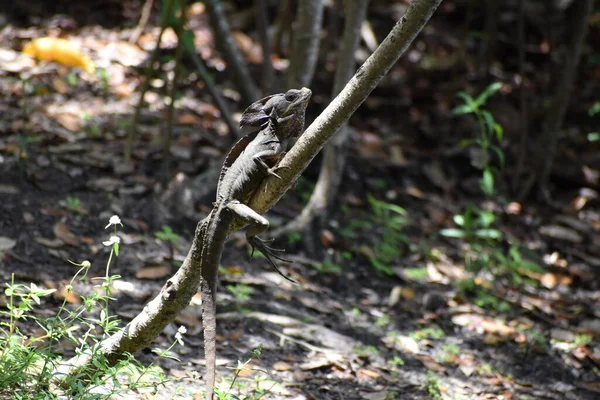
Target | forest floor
(420,286)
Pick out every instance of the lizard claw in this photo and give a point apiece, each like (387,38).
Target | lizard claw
(268,252)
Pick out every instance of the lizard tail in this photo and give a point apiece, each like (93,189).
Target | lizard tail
(209,311)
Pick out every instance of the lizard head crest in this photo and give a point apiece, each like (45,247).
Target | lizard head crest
(288,107)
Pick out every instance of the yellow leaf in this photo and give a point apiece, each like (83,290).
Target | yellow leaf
(59,50)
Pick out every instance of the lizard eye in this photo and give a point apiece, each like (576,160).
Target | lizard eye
(290,97)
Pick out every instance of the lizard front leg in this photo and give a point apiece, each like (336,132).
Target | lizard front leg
(271,155)
(258,224)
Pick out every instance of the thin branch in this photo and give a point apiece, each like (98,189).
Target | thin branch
(235,60)
(145,16)
(556,114)
(131,130)
(262,26)
(334,159)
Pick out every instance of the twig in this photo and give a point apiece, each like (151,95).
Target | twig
(522,97)
(214,92)
(131,130)
(145,16)
(262,24)
(235,60)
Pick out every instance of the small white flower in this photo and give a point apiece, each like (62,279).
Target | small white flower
(114,220)
(86,264)
(113,240)
(178,335)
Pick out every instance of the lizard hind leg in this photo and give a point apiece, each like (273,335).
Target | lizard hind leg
(268,252)
(258,224)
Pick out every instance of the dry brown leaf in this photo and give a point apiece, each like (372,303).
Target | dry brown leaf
(189,318)
(431,364)
(370,144)
(281,366)
(368,373)
(69,121)
(63,233)
(50,243)
(496,327)
(154,272)
(251,50)
(415,192)
(188,119)
(60,85)
(69,296)
(327,238)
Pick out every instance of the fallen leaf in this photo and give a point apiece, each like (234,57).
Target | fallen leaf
(59,50)
(281,366)
(63,233)
(8,189)
(154,272)
(7,243)
(50,243)
(60,85)
(368,373)
(560,232)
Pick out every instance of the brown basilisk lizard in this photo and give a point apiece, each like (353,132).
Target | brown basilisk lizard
(270,122)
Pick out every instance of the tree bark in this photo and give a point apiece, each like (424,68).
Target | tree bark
(581,11)
(332,169)
(305,49)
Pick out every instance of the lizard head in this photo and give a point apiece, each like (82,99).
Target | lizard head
(288,108)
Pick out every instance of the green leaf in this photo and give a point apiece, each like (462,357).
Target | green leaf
(459,220)
(488,233)
(499,153)
(466,142)
(499,131)
(489,122)
(490,90)
(487,182)
(593,136)
(595,109)
(380,267)
(486,218)
(463,109)
(453,233)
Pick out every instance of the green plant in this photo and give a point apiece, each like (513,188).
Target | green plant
(396,361)
(490,135)
(241,292)
(392,219)
(450,351)
(166,234)
(474,224)
(328,267)
(28,362)
(294,237)
(432,385)
(383,320)
(245,388)
(433,332)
